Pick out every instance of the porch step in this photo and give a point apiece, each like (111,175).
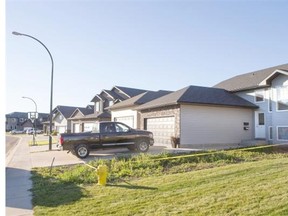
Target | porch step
(254,142)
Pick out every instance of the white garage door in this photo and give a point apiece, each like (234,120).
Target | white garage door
(76,128)
(88,126)
(128,120)
(61,129)
(162,128)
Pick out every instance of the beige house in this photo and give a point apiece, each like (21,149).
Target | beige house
(200,117)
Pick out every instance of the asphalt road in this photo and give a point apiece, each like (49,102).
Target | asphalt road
(11,142)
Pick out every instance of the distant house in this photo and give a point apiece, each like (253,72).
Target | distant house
(61,115)
(82,121)
(268,89)
(20,121)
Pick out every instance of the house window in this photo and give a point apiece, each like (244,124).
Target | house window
(282,98)
(261,119)
(111,103)
(259,96)
(21,120)
(282,133)
(270,133)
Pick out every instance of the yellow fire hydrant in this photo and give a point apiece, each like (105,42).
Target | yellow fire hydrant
(102,174)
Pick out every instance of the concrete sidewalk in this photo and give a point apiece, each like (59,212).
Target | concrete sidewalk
(23,158)
(19,163)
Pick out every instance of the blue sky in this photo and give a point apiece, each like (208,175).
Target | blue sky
(142,44)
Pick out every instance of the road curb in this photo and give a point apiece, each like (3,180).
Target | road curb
(11,152)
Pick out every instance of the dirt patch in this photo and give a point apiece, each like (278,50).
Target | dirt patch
(280,148)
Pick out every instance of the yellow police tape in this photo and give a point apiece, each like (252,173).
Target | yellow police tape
(205,153)
(213,152)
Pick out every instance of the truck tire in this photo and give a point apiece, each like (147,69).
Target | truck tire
(82,151)
(142,146)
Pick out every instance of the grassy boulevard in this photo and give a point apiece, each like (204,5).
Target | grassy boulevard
(224,183)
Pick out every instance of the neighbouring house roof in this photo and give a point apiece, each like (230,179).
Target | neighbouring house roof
(113,95)
(89,106)
(252,80)
(198,95)
(139,99)
(97,97)
(130,92)
(125,93)
(66,111)
(24,115)
(17,115)
(83,111)
(93,116)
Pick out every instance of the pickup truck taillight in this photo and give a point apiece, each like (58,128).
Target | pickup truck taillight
(61,140)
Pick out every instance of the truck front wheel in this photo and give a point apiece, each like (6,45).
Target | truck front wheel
(82,151)
(142,146)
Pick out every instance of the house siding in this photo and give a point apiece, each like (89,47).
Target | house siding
(280,118)
(214,127)
(61,121)
(273,118)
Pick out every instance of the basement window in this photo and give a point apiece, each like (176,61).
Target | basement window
(282,133)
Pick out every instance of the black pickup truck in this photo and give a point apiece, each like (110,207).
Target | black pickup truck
(106,135)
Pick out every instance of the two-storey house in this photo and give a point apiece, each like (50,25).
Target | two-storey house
(268,89)
(83,121)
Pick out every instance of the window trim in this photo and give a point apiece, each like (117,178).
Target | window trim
(270,131)
(277,106)
(259,92)
(282,126)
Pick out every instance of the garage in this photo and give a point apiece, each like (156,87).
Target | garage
(76,128)
(61,129)
(88,126)
(128,120)
(162,128)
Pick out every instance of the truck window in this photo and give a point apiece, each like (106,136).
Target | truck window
(107,128)
(121,128)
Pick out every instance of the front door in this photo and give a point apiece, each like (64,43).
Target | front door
(260,125)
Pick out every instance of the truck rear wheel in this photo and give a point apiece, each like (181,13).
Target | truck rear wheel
(142,146)
(82,151)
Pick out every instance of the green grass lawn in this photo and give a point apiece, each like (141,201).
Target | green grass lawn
(247,188)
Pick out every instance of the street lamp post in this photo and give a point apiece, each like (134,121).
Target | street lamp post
(33,118)
(51,93)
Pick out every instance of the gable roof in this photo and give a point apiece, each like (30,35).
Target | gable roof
(130,92)
(66,111)
(113,94)
(139,99)
(251,80)
(83,111)
(123,93)
(198,95)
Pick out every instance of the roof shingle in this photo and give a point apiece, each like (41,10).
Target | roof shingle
(198,95)
(250,80)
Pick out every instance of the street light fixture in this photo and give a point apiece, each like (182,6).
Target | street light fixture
(33,118)
(51,93)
